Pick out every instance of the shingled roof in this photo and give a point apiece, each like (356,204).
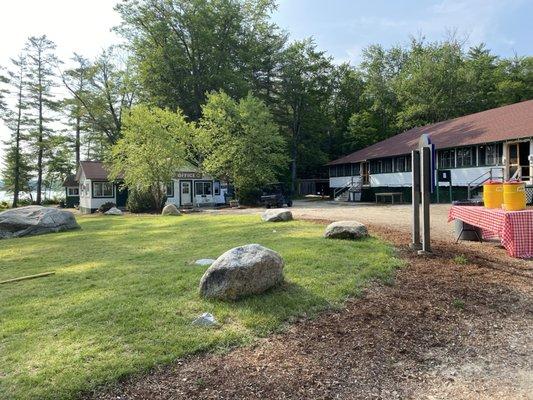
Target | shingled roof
(514,121)
(94,170)
(70,181)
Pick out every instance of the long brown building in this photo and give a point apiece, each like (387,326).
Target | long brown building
(492,144)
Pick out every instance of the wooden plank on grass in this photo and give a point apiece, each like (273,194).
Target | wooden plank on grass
(23,278)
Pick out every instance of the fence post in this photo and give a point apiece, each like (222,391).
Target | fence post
(415,199)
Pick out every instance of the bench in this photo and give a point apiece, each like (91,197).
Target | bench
(391,195)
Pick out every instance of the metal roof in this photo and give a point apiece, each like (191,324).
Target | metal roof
(514,121)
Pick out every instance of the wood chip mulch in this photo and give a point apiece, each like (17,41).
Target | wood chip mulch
(441,330)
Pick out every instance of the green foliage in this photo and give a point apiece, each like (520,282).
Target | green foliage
(458,304)
(305,88)
(152,149)
(16,172)
(140,201)
(240,142)
(188,48)
(460,259)
(125,291)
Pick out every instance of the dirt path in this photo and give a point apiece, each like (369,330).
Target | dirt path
(440,331)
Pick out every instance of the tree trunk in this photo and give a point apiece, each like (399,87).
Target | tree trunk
(16,178)
(294,155)
(40,140)
(77,144)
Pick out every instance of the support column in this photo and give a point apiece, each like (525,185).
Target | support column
(415,168)
(426,199)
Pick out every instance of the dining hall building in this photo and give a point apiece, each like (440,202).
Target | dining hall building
(494,144)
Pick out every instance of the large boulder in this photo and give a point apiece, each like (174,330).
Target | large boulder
(35,220)
(276,215)
(113,211)
(242,271)
(170,209)
(346,230)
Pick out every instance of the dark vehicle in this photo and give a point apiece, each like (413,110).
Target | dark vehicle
(275,195)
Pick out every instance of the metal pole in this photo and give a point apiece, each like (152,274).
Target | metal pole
(426,199)
(415,198)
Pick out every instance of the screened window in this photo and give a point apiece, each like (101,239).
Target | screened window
(170,189)
(203,188)
(375,167)
(356,169)
(386,165)
(216,187)
(489,154)
(73,191)
(466,157)
(402,164)
(447,159)
(103,189)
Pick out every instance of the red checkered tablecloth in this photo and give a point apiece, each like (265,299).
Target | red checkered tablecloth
(514,228)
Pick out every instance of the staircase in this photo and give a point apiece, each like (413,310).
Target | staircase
(476,184)
(342,194)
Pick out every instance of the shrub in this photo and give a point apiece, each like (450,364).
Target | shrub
(3,205)
(106,207)
(141,201)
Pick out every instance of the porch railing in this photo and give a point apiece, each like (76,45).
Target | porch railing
(480,180)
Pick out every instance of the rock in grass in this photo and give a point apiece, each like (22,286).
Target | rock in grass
(206,319)
(35,220)
(113,211)
(276,215)
(204,261)
(170,209)
(242,271)
(346,230)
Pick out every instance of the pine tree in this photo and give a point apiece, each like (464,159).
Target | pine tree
(16,170)
(41,77)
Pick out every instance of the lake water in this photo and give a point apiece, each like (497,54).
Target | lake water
(8,197)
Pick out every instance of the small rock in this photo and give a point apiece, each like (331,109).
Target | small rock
(346,230)
(113,211)
(204,261)
(276,215)
(170,209)
(206,319)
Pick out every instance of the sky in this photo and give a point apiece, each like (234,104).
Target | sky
(342,28)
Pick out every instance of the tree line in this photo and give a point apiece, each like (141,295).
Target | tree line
(241,85)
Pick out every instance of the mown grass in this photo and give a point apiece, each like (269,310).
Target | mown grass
(125,293)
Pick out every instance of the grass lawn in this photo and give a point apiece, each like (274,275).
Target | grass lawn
(125,293)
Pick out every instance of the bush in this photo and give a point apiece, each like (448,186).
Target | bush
(140,202)
(3,205)
(106,207)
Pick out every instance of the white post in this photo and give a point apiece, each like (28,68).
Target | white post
(530,159)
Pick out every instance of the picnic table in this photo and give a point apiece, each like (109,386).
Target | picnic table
(391,195)
(513,228)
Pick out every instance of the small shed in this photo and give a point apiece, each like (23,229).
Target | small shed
(72,191)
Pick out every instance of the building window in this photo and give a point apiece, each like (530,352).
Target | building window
(73,191)
(203,188)
(489,154)
(375,167)
(356,169)
(170,189)
(216,187)
(386,166)
(447,158)
(466,157)
(103,189)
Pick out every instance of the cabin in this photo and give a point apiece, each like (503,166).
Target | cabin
(72,191)
(493,144)
(189,188)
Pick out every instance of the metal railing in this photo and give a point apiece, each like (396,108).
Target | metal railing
(480,180)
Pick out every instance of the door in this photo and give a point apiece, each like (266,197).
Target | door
(514,160)
(122,197)
(185,193)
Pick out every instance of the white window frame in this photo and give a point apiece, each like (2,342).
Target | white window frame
(69,191)
(102,195)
